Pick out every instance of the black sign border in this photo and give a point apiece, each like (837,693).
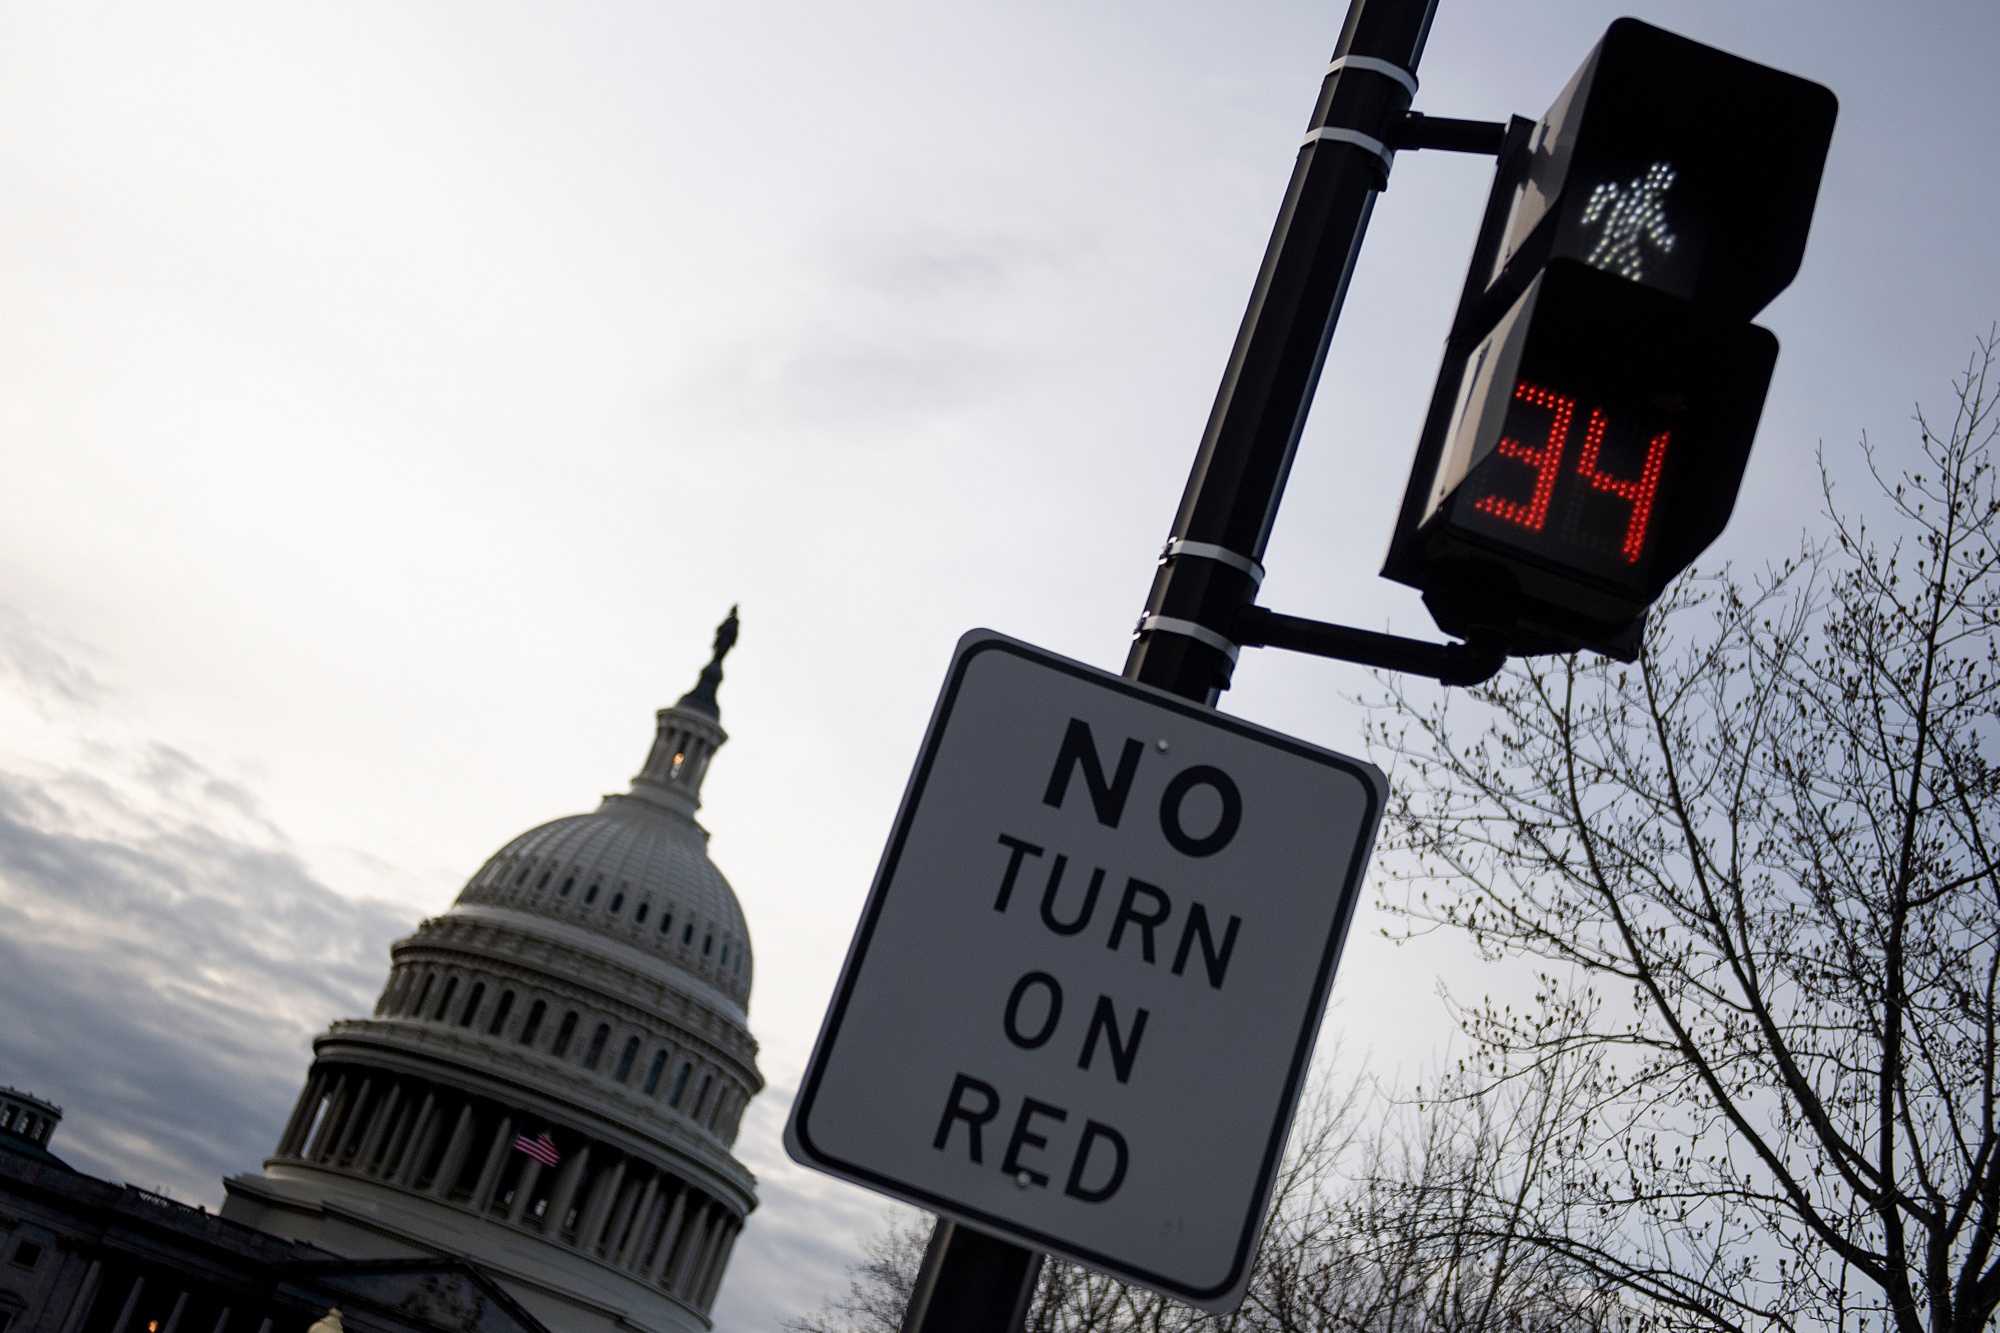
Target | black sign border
(971,646)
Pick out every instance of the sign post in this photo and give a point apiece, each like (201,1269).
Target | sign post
(1079,1009)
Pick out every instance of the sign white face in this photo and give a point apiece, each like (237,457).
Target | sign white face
(1087,982)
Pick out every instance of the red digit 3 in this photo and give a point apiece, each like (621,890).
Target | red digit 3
(1547,461)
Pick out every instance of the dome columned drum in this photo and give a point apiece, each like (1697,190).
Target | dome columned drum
(551,1081)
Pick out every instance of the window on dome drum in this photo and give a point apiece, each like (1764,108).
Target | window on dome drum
(472,1005)
(568,884)
(666,922)
(590,894)
(639,914)
(625,1059)
(724,960)
(680,1084)
(534,1023)
(444,1000)
(596,1051)
(654,1070)
(522,878)
(687,933)
(707,943)
(564,1033)
(706,1081)
(500,1012)
(617,901)
(423,994)
(543,882)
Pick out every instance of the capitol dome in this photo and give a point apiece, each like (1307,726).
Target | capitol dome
(554,1074)
(635,870)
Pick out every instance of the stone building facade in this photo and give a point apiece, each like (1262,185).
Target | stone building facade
(552,1079)
(83,1255)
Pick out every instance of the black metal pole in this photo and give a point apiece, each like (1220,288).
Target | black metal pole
(971,1282)
(1212,563)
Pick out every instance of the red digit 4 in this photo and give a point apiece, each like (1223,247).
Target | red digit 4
(1638,492)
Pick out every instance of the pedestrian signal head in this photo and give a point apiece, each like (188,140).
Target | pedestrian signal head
(1598,442)
(1674,165)
(1602,384)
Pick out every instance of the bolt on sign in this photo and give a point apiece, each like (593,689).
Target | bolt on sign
(1081,1002)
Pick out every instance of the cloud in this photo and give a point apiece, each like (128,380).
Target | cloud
(165,958)
(42,673)
(825,378)
(930,265)
(894,330)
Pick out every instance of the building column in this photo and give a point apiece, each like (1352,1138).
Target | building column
(221,1322)
(644,1223)
(606,1238)
(669,1233)
(697,1274)
(496,1157)
(567,1177)
(454,1153)
(399,1137)
(350,1127)
(385,1123)
(716,1266)
(174,1320)
(631,1229)
(639,1249)
(131,1300)
(335,1100)
(417,1145)
(295,1128)
(382,1138)
(693,1236)
(530,1173)
(86,1292)
(602,1195)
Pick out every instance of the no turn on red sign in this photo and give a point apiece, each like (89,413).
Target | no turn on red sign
(1080,1004)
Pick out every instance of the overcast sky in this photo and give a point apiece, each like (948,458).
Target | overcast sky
(394,394)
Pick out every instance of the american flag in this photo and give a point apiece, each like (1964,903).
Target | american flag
(541,1147)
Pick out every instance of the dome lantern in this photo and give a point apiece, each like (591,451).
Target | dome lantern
(688,735)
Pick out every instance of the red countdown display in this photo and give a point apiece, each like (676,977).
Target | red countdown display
(1567,481)
(1602,382)
(1597,439)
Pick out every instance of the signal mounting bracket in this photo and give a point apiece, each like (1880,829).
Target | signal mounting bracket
(1473,662)
(1417,130)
